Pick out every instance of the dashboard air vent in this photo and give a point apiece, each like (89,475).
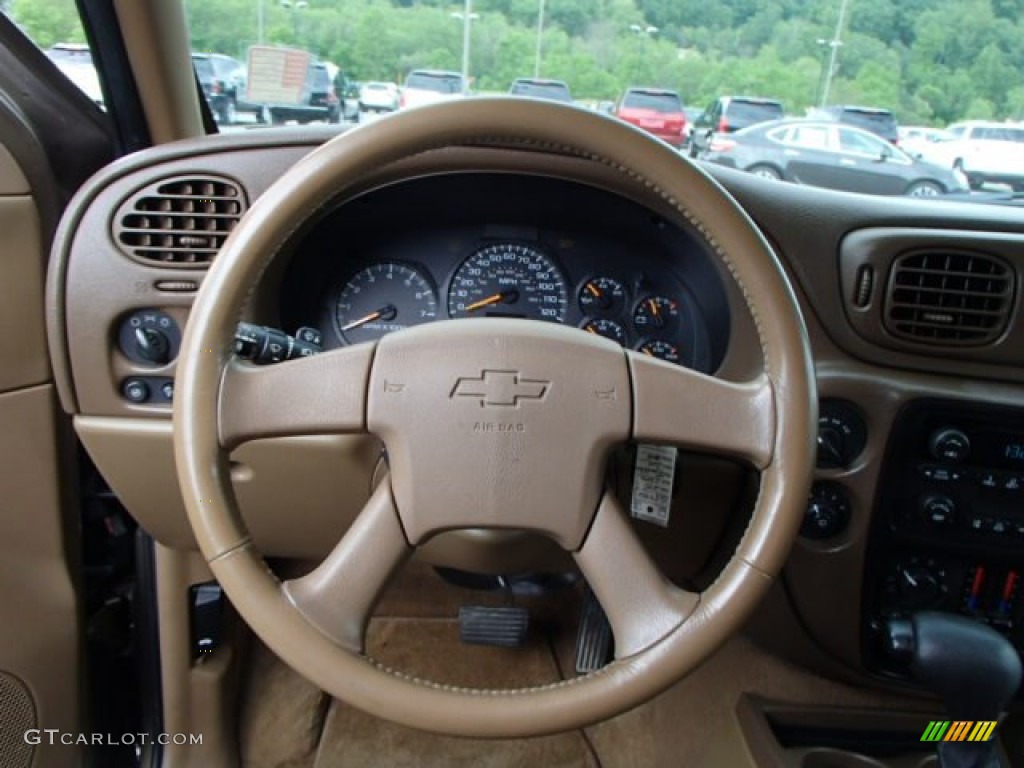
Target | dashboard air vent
(949,298)
(182,221)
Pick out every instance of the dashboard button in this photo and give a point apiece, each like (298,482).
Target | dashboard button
(939,510)
(989,479)
(135,390)
(949,444)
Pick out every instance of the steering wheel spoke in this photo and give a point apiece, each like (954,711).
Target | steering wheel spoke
(338,596)
(323,394)
(677,405)
(641,604)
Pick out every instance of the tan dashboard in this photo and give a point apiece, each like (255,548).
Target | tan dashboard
(122,274)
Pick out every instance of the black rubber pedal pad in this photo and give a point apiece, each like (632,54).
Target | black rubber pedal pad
(504,627)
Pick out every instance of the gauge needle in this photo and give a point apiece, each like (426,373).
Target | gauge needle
(594,290)
(654,307)
(497,298)
(386,310)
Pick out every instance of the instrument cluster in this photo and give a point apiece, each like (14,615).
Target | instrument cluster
(519,280)
(531,248)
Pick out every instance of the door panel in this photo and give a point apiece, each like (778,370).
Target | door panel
(39,644)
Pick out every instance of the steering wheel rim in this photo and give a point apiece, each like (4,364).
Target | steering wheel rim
(666,632)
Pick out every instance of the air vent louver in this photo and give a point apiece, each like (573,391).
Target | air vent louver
(182,221)
(949,298)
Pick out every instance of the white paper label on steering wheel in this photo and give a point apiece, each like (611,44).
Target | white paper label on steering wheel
(652,483)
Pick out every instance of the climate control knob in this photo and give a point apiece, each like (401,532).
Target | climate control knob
(938,510)
(920,584)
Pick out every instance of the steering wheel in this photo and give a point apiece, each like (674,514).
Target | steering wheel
(494,424)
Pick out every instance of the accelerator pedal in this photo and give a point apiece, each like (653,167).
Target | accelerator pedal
(504,627)
(594,641)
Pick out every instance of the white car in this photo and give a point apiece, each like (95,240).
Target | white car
(985,152)
(379,97)
(923,142)
(425,86)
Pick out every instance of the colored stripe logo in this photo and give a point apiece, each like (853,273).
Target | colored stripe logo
(959,730)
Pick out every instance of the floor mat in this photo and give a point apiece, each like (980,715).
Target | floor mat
(430,648)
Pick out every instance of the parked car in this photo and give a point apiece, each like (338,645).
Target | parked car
(692,116)
(319,100)
(425,86)
(879,121)
(378,96)
(537,88)
(985,152)
(75,61)
(222,79)
(656,110)
(728,114)
(826,154)
(923,142)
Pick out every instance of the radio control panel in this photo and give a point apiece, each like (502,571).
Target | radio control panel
(948,526)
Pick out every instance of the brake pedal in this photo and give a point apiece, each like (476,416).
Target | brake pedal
(504,627)
(594,641)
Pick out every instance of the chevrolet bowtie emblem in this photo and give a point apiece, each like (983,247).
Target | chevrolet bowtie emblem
(501,388)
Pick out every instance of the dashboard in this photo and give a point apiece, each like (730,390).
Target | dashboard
(442,248)
(492,231)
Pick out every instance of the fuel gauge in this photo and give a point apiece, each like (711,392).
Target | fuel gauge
(663,350)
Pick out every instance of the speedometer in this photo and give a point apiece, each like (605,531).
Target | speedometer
(508,280)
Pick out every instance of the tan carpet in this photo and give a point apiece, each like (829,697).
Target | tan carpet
(431,649)
(692,724)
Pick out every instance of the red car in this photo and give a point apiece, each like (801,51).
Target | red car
(656,110)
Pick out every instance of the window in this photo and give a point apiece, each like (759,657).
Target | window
(861,144)
(810,136)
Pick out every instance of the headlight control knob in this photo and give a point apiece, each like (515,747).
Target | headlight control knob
(149,337)
(152,345)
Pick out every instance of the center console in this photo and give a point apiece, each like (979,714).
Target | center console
(948,529)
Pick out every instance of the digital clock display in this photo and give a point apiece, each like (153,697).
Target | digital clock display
(1014,451)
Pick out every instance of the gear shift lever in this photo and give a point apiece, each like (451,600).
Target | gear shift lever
(973,669)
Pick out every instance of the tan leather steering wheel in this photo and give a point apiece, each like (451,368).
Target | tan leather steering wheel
(493,423)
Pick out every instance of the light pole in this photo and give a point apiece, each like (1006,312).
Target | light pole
(467,16)
(834,43)
(540,38)
(259,22)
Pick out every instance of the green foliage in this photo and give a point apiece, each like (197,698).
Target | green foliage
(931,61)
(48,21)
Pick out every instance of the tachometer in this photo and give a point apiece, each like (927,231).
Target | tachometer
(384,297)
(508,280)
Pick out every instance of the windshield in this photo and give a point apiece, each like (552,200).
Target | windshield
(922,63)
(440,83)
(753,112)
(657,102)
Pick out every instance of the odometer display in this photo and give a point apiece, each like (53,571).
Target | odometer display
(508,280)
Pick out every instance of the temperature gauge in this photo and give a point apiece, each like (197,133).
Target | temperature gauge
(607,328)
(656,313)
(602,296)
(663,350)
